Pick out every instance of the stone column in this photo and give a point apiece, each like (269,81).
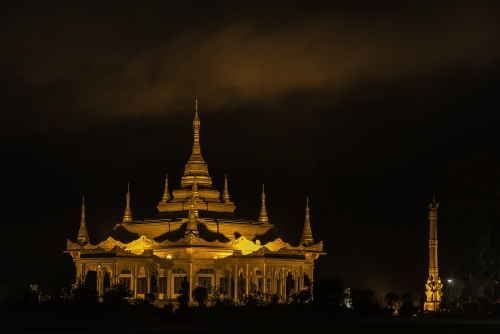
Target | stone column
(236,282)
(170,283)
(264,278)
(216,278)
(311,279)
(191,282)
(229,285)
(283,284)
(100,280)
(134,281)
(148,278)
(246,280)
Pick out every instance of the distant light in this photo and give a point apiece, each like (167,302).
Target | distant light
(450,280)
(215,257)
(169,257)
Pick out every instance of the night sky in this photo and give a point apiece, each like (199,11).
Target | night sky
(359,105)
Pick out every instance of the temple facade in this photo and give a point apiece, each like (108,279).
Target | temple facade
(196,236)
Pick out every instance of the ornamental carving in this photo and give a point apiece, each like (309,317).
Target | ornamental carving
(141,243)
(110,243)
(317,247)
(72,245)
(277,245)
(184,267)
(197,267)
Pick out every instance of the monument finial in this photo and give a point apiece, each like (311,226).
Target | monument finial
(307,238)
(225,193)
(263,213)
(166,194)
(127,216)
(434,205)
(83,236)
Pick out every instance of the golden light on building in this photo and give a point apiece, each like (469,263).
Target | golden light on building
(433,287)
(197,235)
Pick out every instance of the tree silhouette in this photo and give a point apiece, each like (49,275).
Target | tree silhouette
(200,294)
(117,294)
(391,298)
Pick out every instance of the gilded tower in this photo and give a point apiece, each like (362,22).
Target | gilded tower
(433,288)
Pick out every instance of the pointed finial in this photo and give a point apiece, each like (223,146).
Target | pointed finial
(225,193)
(83,236)
(307,238)
(166,194)
(434,206)
(127,216)
(196,118)
(263,213)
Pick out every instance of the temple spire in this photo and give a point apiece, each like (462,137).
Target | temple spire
(83,236)
(225,193)
(307,237)
(127,216)
(196,153)
(263,213)
(166,194)
(196,164)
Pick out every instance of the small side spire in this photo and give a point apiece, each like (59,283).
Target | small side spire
(127,216)
(166,194)
(307,237)
(83,236)
(225,193)
(263,213)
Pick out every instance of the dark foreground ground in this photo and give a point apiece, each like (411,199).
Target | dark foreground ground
(258,325)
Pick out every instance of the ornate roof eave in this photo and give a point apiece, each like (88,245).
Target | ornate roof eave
(191,239)
(264,252)
(115,251)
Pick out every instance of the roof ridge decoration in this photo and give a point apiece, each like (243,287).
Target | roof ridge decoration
(109,243)
(127,216)
(83,236)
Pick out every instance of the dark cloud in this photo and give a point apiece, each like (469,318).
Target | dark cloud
(85,64)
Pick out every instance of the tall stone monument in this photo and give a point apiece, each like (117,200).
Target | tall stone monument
(433,288)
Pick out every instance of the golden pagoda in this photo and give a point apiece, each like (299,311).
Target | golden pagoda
(196,235)
(433,287)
